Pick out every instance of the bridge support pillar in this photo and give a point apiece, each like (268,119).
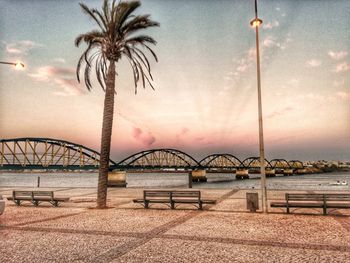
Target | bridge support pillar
(301,171)
(242,174)
(270,172)
(199,176)
(116,179)
(287,172)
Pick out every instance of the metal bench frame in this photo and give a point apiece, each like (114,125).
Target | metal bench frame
(324,201)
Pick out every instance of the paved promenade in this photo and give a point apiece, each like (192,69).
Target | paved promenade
(225,232)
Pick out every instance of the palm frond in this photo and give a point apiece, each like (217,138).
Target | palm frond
(92,36)
(124,11)
(92,15)
(137,23)
(116,38)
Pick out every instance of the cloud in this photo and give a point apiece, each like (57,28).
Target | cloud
(248,58)
(47,72)
(21,47)
(70,87)
(280,112)
(59,60)
(145,138)
(337,55)
(341,67)
(136,133)
(243,65)
(271,25)
(312,96)
(183,132)
(252,53)
(271,42)
(313,63)
(62,76)
(330,97)
(343,95)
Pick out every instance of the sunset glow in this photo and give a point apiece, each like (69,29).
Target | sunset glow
(205,98)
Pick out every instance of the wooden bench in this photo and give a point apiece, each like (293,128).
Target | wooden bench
(36,197)
(324,201)
(172,198)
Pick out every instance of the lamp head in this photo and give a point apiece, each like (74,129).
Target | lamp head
(19,66)
(256,22)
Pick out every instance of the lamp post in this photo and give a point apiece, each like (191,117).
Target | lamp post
(17,65)
(256,22)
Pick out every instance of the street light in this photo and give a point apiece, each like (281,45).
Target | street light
(256,22)
(17,65)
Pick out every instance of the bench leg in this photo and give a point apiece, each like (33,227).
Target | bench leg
(146,203)
(287,210)
(17,202)
(35,202)
(54,203)
(172,205)
(324,210)
(200,207)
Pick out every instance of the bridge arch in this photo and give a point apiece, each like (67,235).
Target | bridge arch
(296,164)
(221,161)
(159,158)
(280,164)
(46,153)
(254,162)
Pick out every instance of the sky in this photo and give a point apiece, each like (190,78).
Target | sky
(205,97)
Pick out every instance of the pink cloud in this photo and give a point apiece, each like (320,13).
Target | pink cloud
(342,67)
(137,133)
(279,112)
(313,63)
(269,42)
(145,138)
(47,72)
(337,55)
(243,65)
(63,77)
(271,25)
(183,132)
(21,47)
(70,87)
(343,95)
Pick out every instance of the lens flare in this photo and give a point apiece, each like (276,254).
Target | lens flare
(19,66)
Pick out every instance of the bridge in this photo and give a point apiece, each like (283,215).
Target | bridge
(46,154)
(54,154)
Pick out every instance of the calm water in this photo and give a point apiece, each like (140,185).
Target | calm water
(307,182)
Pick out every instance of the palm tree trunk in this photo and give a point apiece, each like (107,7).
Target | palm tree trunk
(106,136)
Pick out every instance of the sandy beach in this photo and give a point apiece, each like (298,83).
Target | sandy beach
(126,232)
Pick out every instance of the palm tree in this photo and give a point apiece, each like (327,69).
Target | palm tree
(115,38)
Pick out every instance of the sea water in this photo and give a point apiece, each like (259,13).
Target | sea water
(324,181)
